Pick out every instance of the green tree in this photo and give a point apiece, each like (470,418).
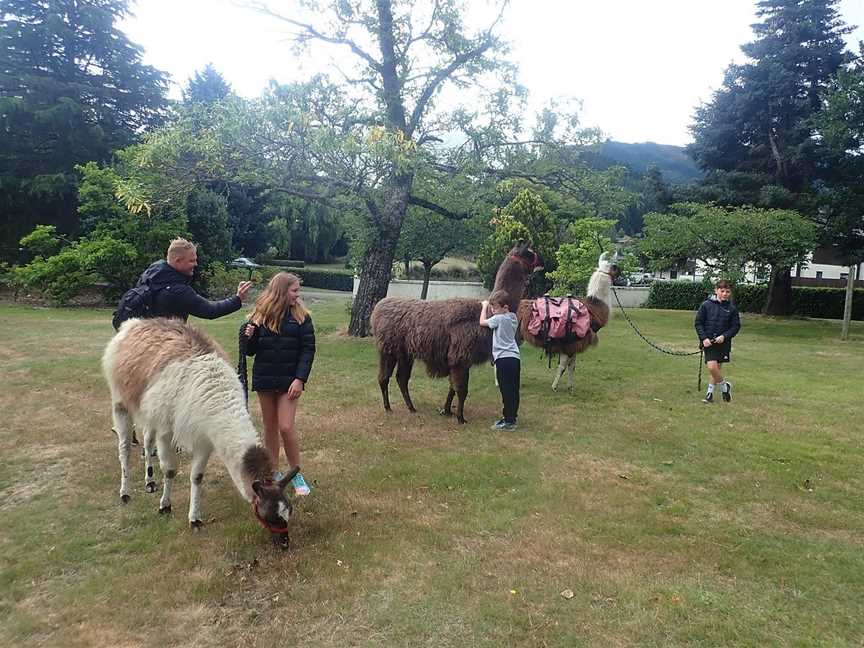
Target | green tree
(206,87)
(577,257)
(72,89)
(842,126)
(427,237)
(761,121)
(727,239)
(373,144)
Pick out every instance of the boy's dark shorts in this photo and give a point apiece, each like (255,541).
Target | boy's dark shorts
(719,352)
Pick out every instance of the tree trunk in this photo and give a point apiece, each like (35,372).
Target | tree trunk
(377,266)
(850,295)
(779,301)
(375,274)
(427,273)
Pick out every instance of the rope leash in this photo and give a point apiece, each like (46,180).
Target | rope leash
(700,352)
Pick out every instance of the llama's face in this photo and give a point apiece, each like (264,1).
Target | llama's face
(271,504)
(527,254)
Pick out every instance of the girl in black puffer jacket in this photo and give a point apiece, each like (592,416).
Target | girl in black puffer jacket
(280,335)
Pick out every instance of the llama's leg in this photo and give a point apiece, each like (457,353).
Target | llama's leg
(123,428)
(403,375)
(386,364)
(459,380)
(562,365)
(447,410)
(168,463)
(571,369)
(149,445)
(200,455)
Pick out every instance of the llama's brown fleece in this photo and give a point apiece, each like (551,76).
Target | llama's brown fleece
(148,346)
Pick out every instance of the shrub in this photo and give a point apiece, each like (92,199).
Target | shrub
(220,281)
(313,278)
(81,264)
(677,295)
(288,263)
(750,298)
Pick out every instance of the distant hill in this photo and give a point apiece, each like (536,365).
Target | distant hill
(673,161)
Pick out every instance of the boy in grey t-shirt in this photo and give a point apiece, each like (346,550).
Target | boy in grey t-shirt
(505,354)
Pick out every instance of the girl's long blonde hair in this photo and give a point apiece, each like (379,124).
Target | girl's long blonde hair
(270,307)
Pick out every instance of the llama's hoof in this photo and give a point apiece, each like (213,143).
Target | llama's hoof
(164,510)
(462,420)
(555,388)
(196,525)
(150,487)
(124,499)
(445,412)
(281,541)
(412,409)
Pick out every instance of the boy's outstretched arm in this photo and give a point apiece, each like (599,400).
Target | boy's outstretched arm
(483,319)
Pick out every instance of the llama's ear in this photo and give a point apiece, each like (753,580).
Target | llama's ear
(257,487)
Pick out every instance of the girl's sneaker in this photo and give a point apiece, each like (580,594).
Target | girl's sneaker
(301,488)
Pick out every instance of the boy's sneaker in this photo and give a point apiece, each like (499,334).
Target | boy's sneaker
(508,425)
(301,488)
(727,392)
(709,398)
(498,425)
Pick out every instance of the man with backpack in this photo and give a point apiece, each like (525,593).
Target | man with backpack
(163,290)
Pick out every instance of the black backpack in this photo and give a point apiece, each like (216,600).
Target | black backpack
(135,302)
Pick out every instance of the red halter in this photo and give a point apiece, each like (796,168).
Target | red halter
(264,523)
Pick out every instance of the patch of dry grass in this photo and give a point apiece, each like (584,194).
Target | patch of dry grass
(671,523)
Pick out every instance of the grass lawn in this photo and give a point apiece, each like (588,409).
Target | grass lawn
(671,522)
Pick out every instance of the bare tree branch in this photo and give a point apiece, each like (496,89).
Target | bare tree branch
(438,209)
(447,71)
(311,33)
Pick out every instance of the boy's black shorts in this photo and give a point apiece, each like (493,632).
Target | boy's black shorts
(719,352)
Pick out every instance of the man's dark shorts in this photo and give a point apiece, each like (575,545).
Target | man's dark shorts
(719,352)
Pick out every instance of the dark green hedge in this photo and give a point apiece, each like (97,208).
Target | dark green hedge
(314,278)
(806,302)
(288,263)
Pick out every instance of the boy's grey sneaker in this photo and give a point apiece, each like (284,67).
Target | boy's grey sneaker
(498,425)
(709,398)
(727,393)
(509,426)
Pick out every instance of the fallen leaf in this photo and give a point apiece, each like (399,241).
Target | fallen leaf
(623,476)
(568,594)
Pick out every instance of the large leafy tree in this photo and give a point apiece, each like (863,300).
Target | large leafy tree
(379,140)
(72,89)
(727,239)
(761,121)
(427,237)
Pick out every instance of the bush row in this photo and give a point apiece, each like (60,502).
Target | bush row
(750,298)
(313,278)
(287,263)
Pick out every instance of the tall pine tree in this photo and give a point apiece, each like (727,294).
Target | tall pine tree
(72,90)
(761,121)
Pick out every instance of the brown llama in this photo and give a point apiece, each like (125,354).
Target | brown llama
(598,304)
(445,335)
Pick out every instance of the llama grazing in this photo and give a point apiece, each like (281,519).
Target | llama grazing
(177,385)
(598,304)
(445,335)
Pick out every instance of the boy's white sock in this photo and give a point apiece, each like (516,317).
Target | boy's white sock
(710,388)
(725,385)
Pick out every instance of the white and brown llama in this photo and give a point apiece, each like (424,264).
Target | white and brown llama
(178,387)
(598,303)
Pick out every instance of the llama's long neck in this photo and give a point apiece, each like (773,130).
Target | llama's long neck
(600,287)
(511,278)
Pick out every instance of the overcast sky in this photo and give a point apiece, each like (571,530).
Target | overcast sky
(639,67)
